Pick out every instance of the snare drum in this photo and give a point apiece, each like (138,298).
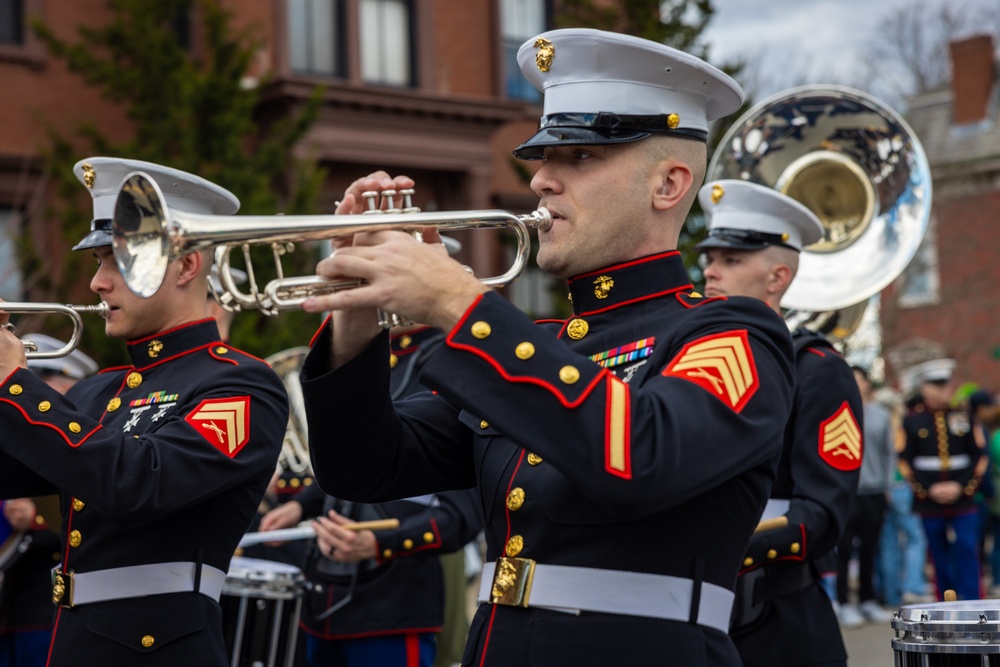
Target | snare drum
(261,602)
(964,633)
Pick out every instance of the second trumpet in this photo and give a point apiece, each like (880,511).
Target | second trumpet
(148,236)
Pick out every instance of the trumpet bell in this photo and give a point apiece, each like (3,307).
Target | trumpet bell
(140,237)
(857,165)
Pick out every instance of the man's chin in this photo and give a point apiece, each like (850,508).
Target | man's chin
(712,292)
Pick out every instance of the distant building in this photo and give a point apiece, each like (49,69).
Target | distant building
(948,300)
(429,89)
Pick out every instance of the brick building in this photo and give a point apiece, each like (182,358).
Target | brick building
(423,87)
(948,300)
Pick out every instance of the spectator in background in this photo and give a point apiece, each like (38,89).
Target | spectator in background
(867,511)
(985,411)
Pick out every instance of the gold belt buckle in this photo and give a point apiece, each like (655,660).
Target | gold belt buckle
(62,588)
(512,581)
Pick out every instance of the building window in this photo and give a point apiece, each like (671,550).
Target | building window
(520,20)
(10,274)
(11,22)
(921,279)
(316,36)
(387,42)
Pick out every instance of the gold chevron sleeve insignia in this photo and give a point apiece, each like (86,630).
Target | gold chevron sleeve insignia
(722,364)
(840,441)
(224,422)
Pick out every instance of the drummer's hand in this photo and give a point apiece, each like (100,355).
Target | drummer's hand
(284,516)
(20,513)
(944,493)
(339,543)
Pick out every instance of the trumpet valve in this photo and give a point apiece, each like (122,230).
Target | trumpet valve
(407,196)
(389,197)
(371,201)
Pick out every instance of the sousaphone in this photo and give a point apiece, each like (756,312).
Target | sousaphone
(858,166)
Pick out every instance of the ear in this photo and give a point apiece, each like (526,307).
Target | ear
(675,181)
(779,279)
(190,268)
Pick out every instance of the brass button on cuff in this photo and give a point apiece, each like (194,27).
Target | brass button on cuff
(747,562)
(407,544)
(481,330)
(74,427)
(44,406)
(772,554)
(795,548)
(525,351)
(387,553)
(428,537)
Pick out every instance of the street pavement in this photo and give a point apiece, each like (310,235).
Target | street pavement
(869,645)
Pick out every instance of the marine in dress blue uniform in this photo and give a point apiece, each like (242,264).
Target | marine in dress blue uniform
(623,456)
(783,616)
(944,448)
(160,464)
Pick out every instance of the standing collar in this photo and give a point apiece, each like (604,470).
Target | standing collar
(628,282)
(151,350)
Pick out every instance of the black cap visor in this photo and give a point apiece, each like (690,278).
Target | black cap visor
(100,235)
(534,148)
(741,239)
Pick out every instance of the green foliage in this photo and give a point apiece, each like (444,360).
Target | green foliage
(191,110)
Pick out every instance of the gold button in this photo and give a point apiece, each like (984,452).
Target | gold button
(294,482)
(407,544)
(525,351)
(569,374)
(515,499)
(481,330)
(307,481)
(405,342)
(78,504)
(393,360)
(222,350)
(44,406)
(514,545)
(673,120)
(923,433)
(695,295)
(795,548)
(114,404)
(387,553)
(75,538)
(771,554)
(133,380)
(577,328)
(147,640)
(282,483)
(39,519)
(74,427)
(747,562)
(16,389)
(428,537)
(534,459)
(484,424)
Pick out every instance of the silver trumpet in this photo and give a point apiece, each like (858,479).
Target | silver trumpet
(70,311)
(148,236)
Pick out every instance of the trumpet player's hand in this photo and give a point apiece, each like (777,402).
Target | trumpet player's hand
(11,349)
(339,543)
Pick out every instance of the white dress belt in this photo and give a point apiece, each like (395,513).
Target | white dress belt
(575,589)
(956,462)
(139,581)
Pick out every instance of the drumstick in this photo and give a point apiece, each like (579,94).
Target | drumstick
(306,531)
(771,524)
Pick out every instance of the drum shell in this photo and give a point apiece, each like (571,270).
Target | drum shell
(261,604)
(948,634)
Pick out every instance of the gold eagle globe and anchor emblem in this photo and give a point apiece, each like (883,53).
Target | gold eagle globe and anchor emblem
(155,347)
(546,52)
(89,175)
(602,286)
